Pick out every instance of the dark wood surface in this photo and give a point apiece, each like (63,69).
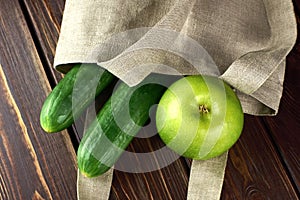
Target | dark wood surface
(264,164)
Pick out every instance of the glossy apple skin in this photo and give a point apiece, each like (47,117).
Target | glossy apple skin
(199,117)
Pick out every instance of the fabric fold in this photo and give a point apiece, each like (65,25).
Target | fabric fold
(247,41)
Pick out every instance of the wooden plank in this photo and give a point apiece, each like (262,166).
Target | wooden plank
(285,127)
(254,170)
(169,182)
(267,178)
(33,165)
(44,19)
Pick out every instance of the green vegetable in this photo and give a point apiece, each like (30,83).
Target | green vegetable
(72,95)
(117,123)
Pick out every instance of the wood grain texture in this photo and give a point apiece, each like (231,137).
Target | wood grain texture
(264,164)
(44,19)
(278,177)
(11,168)
(33,165)
(254,170)
(168,182)
(284,128)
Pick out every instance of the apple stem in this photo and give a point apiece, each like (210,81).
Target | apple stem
(203,109)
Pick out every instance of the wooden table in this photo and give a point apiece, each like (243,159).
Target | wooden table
(264,164)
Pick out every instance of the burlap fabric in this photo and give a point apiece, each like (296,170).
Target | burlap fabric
(243,42)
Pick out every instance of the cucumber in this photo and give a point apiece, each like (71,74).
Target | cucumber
(63,106)
(119,120)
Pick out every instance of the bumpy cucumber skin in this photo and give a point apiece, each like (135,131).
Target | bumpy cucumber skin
(117,123)
(57,112)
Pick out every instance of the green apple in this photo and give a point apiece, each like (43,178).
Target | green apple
(199,117)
